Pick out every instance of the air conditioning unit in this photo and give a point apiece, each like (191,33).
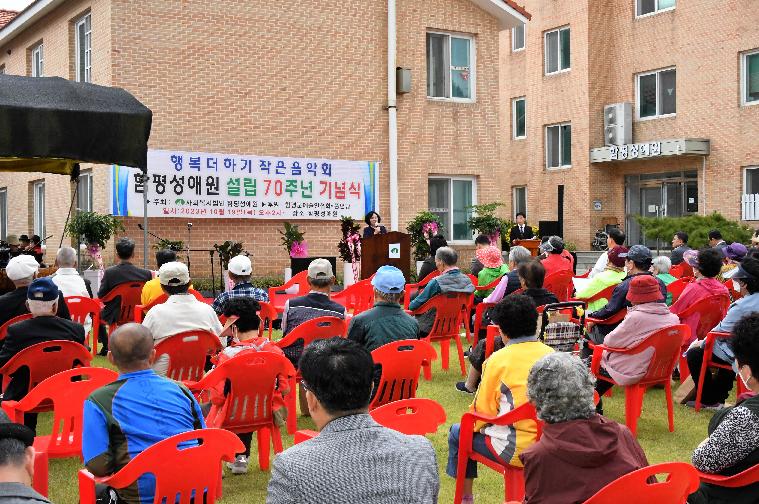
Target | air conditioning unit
(618,124)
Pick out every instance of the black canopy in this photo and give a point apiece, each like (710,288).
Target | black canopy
(48,124)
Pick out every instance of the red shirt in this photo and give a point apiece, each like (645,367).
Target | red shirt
(558,262)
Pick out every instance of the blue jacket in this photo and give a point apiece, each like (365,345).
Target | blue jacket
(619,300)
(744,306)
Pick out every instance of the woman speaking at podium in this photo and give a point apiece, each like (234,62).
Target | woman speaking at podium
(373,227)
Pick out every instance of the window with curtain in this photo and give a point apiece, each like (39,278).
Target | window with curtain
(751,185)
(451,199)
(517,38)
(646,7)
(519,117)
(38,58)
(559,146)
(557,50)
(83,35)
(751,77)
(657,93)
(450,66)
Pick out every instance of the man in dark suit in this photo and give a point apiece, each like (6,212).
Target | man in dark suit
(123,272)
(521,231)
(21,270)
(42,301)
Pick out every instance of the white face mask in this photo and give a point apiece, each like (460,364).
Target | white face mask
(745,380)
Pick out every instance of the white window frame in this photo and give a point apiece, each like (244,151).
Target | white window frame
(514,209)
(86,174)
(745,177)
(38,60)
(39,209)
(514,118)
(88,50)
(656,11)
(514,48)
(561,146)
(658,86)
(558,50)
(3,213)
(472,68)
(744,76)
(466,178)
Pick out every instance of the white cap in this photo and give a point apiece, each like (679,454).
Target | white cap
(22,266)
(240,265)
(320,268)
(173,273)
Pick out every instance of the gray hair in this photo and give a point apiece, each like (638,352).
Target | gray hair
(395,297)
(561,388)
(447,256)
(662,264)
(38,308)
(519,255)
(66,257)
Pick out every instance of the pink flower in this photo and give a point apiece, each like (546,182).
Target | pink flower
(299,249)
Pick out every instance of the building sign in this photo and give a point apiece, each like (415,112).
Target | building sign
(654,149)
(203,185)
(635,151)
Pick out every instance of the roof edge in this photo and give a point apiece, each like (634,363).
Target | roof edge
(508,13)
(27,17)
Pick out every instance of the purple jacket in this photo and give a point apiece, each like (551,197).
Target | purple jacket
(641,320)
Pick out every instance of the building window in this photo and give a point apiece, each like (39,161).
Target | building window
(2,69)
(519,201)
(517,38)
(38,61)
(451,199)
(84,192)
(450,66)
(83,35)
(657,94)
(646,7)
(3,213)
(39,209)
(750,79)
(559,146)
(557,48)
(519,117)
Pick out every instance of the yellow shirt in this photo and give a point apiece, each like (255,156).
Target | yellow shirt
(151,291)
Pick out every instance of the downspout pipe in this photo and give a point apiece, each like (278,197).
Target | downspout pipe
(392,114)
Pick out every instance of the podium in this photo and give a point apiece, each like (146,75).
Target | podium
(532,245)
(393,248)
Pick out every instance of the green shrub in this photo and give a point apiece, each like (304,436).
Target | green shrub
(697,227)
(204,283)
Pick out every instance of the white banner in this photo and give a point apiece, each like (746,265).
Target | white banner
(203,185)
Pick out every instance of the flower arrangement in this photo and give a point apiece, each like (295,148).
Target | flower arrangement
(293,241)
(95,230)
(423,227)
(350,245)
(484,221)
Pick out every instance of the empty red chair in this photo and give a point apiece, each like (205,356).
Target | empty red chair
(252,379)
(743,478)
(450,308)
(678,286)
(708,362)
(187,352)
(268,314)
(180,471)
(17,318)
(411,289)
(356,298)
(401,362)
(560,283)
(513,477)
(129,295)
(44,360)
(641,485)
(80,308)
(278,297)
(666,345)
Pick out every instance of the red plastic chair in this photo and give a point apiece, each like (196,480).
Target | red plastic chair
(710,311)
(80,308)
(491,285)
(129,295)
(450,308)
(681,270)
(743,478)
(180,471)
(268,314)
(734,294)
(411,289)
(666,345)
(642,486)
(560,283)
(278,297)
(17,318)
(44,360)
(604,294)
(252,380)
(356,298)
(401,361)
(141,310)
(613,320)
(677,287)
(708,362)
(187,352)
(513,477)
(584,275)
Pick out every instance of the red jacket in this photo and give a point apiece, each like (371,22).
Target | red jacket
(558,262)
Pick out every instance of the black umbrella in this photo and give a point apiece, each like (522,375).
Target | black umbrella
(49,124)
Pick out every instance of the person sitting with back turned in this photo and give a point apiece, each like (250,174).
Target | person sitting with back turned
(152,289)
(125,417)
(557,259)
(613,274)
(510,282)
(353,459)
(493,269)
(22,270)
(616,238)
(17,464)
(480,243)
(67,278)
(585,449)
(660,267)
(428,265)
(240,269)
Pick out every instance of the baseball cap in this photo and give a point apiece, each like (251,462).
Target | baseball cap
(389,280)
(173,273)
(12,240)
(42,289)
(637,253)
(615,256)
(320,268)
(644,289)
(22,266)
(240,265)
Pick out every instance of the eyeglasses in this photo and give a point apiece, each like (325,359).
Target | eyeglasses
(305,386)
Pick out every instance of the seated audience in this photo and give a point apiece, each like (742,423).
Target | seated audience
(493,269)
(240,269)
(313,305)
(353,459)
(22,270)
(647,315)
(679,247)
(660,268)
(43,298)
(510,282)
(706,267)
(136,411)
(556,258)
(17,464)
(715,239)
(561,389)
(181,312)
(503,388)
(482,241)
(613,274)
(734,254)
(450,280)
(719,382)
(152,289)
(67,278)
(428,266)
(733,442)
(616,238)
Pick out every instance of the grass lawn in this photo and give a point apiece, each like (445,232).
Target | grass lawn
(659,444)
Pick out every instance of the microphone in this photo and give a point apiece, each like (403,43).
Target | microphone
(140,226)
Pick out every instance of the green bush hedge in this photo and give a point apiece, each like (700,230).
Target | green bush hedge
(204,283)
(697,227)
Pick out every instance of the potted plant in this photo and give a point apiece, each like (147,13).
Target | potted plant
(94,230)
(227,251)
(484,221)
(350,250)
(175,245)
(292,239)
(423,227)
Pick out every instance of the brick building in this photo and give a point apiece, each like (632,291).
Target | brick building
(689,69)
(299,78)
